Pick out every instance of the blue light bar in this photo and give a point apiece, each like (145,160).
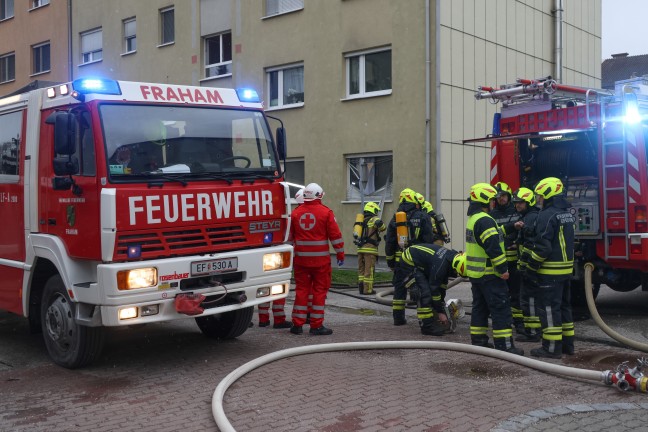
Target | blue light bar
(247,95)
(97,86)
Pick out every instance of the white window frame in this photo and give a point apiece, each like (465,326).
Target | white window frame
(162,12)
(379,190)
(294,187)
(39,47)
(282,7)
(280,85)
(4,63)
(4,12)
(361,72)
(222,65)
(92,55)
(129,37)
(35,4)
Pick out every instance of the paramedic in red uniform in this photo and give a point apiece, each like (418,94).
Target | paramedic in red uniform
(312,226)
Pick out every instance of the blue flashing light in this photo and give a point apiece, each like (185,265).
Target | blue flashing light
(247,95)
(134,251)
(267,238)
(97,86)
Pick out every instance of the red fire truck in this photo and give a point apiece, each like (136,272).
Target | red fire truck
(129,203)
(595,141)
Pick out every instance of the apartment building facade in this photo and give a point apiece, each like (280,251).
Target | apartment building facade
(376,95)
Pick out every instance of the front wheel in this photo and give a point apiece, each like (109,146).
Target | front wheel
(227,325)
(69,344)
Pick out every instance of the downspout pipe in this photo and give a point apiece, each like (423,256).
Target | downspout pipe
(558,49)
(70,57)
(427,99)
(437,95)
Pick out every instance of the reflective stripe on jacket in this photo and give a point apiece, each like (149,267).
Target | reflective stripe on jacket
(312,227)
(484,247)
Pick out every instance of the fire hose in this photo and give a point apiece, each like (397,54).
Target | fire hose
(589,268)
(624,377)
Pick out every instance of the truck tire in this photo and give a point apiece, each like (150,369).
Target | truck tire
(69,344)
(227,325)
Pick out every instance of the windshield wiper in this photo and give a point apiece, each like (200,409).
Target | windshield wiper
(211,176)
(157,175)
(250,177)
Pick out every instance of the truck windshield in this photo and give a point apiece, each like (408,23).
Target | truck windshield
(149,140)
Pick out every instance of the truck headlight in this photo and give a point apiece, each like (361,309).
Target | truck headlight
(137,278)
(276,261)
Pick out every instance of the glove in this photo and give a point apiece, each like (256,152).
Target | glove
(340,263)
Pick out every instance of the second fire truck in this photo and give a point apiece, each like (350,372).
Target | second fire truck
(596,142)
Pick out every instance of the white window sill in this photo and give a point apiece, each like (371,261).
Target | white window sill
(128,53)
(283,107)
(367,95)
(6,19)
(89,63)
(40,73)
(282,13)
(166,44)
(215,77)
(37,7)
(8,81)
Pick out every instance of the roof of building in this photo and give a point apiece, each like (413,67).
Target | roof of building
(622,67)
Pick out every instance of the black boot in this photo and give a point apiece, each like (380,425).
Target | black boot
(528,336)
(568,345)
(481,341)
(399,318)
(542,352)
(432,327)
(506,344)
(361,287)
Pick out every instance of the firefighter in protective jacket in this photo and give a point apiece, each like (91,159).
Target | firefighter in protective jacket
(367,243)
(487,269)
(551,263)
(312,227)
(427,267)
(505,215)
(525,204)
(419,230)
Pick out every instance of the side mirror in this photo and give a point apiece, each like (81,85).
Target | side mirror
(281,142)
(65,126)
(64,166)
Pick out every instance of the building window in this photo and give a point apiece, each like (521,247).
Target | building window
(286,86)
(7,67)
(39,3)
(275,7)
(41,58)
(10,127)
(369,176)
(130,35)
(91,46)
(6,9)
(167,26)
(369,73)
(218,55)
(294,175)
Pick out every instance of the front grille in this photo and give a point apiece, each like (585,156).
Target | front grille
(175,242)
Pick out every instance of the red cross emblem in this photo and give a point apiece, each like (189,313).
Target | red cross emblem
(307,221)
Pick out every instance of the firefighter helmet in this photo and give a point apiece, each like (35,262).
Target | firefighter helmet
(524,195)
(549,187)
(407,195)
(427,206)
(299,196)
(420,199)
(313,191)
(503,188)
(482,193)
(371,207)
(459,264)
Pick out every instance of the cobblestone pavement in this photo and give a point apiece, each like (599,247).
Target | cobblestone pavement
(161,378)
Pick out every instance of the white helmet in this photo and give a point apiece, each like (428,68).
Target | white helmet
(299,196)
(312,192)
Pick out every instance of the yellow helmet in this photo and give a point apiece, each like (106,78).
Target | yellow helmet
(524,195)
(407,195)
(427,206)
(482,192)
(459,264)
(549,187)
(372,207)
(503,188)
(420,199)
